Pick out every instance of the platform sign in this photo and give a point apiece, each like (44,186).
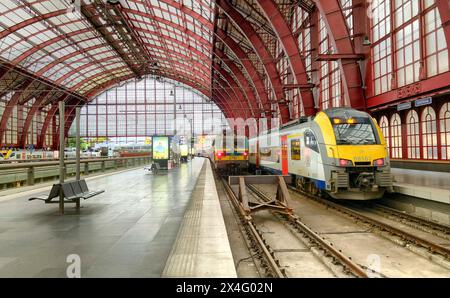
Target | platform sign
(160,148)
(404,106)
(423,101)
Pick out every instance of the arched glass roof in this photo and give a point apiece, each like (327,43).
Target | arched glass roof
(88,45)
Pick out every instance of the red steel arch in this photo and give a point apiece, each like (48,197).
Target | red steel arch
(337,28)
(290,47)
(261,51)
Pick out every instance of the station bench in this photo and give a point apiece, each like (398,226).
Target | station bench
(71,192)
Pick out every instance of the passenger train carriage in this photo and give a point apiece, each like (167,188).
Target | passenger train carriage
(340,151)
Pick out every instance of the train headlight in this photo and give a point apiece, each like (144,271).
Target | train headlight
(219,154)
(378,162)
(345,163)
(245,153)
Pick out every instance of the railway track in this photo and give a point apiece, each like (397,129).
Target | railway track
(271,263)
(337,256)
(412,220)
(431,247)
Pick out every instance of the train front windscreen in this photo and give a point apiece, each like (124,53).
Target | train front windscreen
(354,131)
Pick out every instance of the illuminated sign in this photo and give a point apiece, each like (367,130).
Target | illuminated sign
(184,150)
(160,148)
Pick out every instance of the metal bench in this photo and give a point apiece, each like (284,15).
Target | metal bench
(78,190)
(69,192)
(54,193)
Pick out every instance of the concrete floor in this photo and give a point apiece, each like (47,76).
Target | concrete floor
(128,231)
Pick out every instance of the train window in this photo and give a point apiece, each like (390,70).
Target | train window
(311,141)
(359,131)
(295,149)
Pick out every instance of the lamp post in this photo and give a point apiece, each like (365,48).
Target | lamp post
(174,94)
(192,133)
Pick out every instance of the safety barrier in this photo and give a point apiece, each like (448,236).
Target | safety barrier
(19,174)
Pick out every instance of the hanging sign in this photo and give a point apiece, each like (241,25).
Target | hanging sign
(404,106)
(423,101)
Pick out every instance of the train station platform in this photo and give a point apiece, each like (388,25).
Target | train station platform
(429,185)
(128,231)
(202,247)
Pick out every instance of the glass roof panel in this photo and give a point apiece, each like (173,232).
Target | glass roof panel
(59,41)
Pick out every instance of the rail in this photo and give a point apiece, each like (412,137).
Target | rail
(18,174)
(406,236)
(272,265)
(321,243)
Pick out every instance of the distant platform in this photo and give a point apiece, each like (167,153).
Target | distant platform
(128,231)
(428,185)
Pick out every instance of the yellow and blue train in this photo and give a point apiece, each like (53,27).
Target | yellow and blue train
(339,151)
(229,154)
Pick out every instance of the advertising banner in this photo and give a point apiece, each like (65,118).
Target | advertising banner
(160,148)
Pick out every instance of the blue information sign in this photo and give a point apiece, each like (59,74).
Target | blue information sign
(423,101)
(404,106)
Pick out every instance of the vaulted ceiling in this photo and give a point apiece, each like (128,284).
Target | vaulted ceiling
(249,56)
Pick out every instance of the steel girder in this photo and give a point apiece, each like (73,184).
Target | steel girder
(79,70)
(264,55)
(251,70)
(54,63)
(134,54)
(22,135)
(290,47)
(242,81)
(50,114)
(238,92)
(120,70)
(33,20)
(217,98)
(223,103)
(235,90)
(225,95)
(233,99)
(443,7)
(10,105)
(337,28)
(10,83)
(27,75)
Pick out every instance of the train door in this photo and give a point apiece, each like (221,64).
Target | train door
(284,155)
